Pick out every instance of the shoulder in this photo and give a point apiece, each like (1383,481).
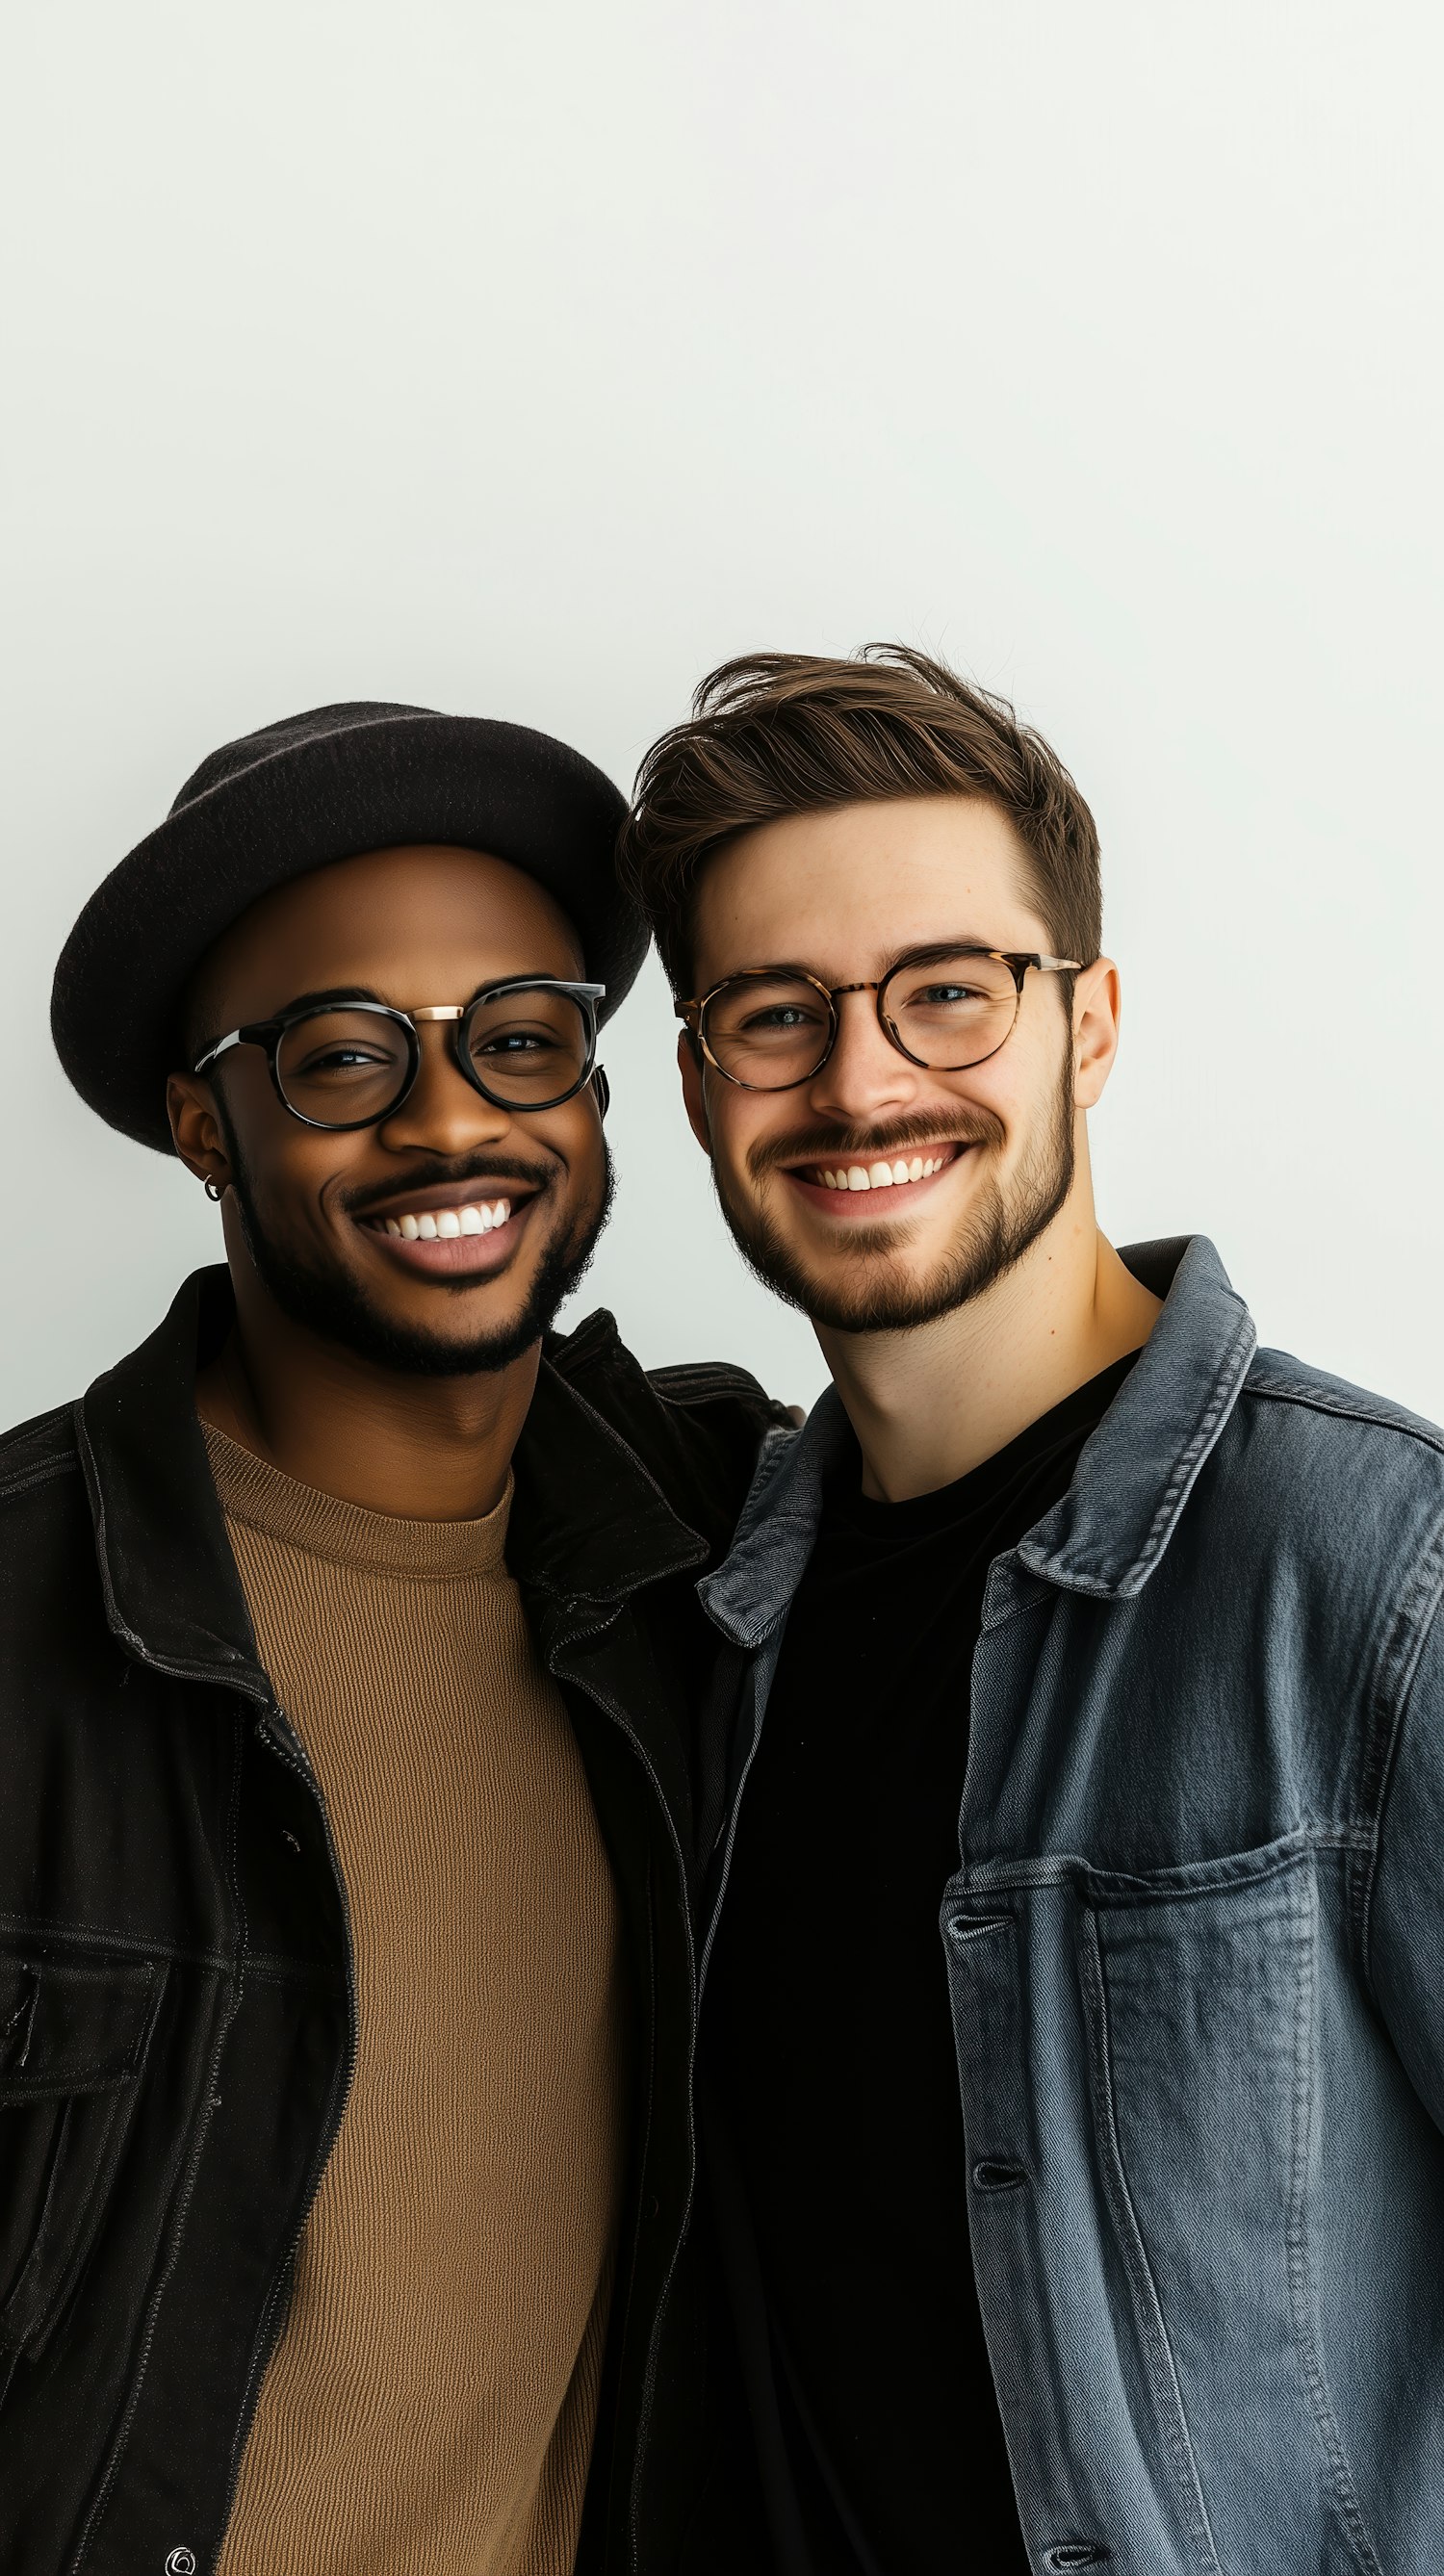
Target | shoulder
(1332,1449)
(596,1360)
(698,1428)
(50,1589)
(37,1453)
(1343,1486)
(1340,1417)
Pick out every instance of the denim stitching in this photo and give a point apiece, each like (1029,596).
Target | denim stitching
(100,2074)
(1103,1889)
(176,2209)
(103,1936)
(1147,2307)
(42,1475)
(123,2098)
(1226,1386)
(1315,1399)
(1297,2241)
(1389,1705)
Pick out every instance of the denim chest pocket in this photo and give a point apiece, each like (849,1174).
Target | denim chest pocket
(1201,1993)
(72,2040)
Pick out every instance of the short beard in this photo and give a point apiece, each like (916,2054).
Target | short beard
(329,1303)
(880,1296)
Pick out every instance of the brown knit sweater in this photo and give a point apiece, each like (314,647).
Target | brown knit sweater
(429,2410)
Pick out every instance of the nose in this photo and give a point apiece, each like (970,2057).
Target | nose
(864,1079)
(442,1113)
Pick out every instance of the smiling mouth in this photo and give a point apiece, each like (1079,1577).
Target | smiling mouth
(443,1225)
(452,1233)
(840,1180)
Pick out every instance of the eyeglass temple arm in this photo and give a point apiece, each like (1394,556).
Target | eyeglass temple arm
(222,1044)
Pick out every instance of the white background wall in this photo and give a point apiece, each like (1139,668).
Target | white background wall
(527,361)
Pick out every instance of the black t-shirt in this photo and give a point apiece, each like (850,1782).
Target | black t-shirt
(835,2127)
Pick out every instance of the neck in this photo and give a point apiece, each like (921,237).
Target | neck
(416,1448)
(930,1404)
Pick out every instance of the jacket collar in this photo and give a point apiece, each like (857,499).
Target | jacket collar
(172,1593)
(1133,1477)
(587,1518)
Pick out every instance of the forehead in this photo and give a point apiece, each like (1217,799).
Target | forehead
(845,890)
(414,925)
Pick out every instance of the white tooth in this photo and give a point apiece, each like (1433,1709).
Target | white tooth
(426,1227)
(448,1223)
(899,1172)
(880,1175)
(915,1168)
(501,1211)
(391,1226)
(827,1180)
(857,1178)
(472,1221)
(410,1228)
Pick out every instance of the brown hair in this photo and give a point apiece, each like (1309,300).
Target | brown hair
(773,734)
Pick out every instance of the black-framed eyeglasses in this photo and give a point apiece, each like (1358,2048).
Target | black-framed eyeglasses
(770,1028)
(529,1042)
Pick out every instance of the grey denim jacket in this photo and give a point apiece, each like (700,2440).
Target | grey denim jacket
(1195,1947)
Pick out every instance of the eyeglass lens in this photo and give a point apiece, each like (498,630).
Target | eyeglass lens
(948,1012)
(345,1068)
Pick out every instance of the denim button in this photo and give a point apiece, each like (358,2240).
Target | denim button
(181,2562)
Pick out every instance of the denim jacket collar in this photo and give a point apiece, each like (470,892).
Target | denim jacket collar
(1133,1478)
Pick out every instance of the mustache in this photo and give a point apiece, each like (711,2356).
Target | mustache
(457,1171)
(873,1144)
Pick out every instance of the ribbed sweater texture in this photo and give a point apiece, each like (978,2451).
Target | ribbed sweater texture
(430,2408)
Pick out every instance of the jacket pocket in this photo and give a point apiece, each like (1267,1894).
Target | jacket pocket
(72,2040)
(1201,1986)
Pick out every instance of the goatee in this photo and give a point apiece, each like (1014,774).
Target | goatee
(332,1305)
(880,1292)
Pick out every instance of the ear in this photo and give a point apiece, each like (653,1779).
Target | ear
(689,1065)
(1097,1003)
(199,1140)
(601,1090)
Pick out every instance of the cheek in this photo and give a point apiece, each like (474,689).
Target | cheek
(737,1122)
(581,1141)
(298,1179)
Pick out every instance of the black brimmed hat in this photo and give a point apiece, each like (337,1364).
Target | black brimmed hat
(293,797)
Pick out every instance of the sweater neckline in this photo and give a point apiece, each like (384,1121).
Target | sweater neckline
(262,1497)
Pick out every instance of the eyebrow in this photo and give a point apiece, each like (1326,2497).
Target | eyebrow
(922,955)
(332,993)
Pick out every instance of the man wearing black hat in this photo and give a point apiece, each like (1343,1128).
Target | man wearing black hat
(345,1974)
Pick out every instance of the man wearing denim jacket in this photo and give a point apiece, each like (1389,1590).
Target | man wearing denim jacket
(1071,1873)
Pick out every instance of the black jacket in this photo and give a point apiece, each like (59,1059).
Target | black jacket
(177,2013)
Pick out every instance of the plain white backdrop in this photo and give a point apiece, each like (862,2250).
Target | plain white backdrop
(526,362)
